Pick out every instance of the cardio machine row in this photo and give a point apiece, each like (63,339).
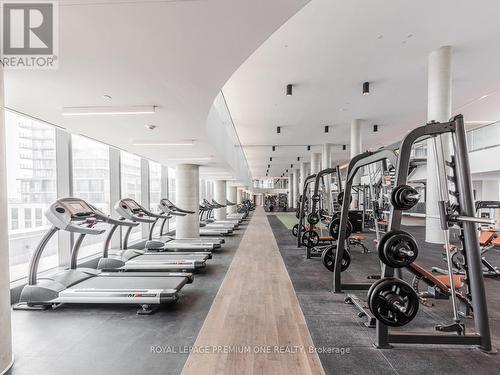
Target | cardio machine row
(152,272)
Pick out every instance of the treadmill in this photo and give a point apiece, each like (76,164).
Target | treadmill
(207,208)
(87,285)
(169,209)
(129,209)
(143,260)
(236,215)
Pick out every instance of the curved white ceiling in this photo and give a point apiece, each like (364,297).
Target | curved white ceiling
(331,47)
(173,54)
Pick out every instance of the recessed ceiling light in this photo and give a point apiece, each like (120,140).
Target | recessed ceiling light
(380,36)
(409,36)
(289,89)
(483,97)
(107,97)
(105,110)
(190,159)
(163,143)
(150,127)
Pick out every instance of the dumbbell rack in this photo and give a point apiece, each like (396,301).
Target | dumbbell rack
(481,338)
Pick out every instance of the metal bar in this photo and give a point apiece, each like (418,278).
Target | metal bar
(356,162)
(471,241)
(421,338)
(35,259)
(75,250)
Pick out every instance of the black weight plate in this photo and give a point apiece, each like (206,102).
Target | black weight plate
(295,230)
(334,228)
(398,197)
(313,218)
(310,238)
(382,295)
(390,250)
(381,244)
(328,258)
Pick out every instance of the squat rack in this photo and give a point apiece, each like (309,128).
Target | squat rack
(481,337)
(361,160)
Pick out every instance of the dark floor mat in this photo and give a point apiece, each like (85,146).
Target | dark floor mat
(335,324)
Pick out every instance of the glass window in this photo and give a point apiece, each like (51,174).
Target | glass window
(14,218)
(130,175)
(27,217)
(154,185)
(91,183)
(38,216)
(31,184)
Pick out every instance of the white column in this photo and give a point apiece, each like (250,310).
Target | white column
(490,190)
(296,192)
(239,196)
(6,357)
(290,191)
(145,193)
(303,175)
(220,197)
(438,109)
(356,145)
(232,196)
(187,195)
(315,162)
(326,162)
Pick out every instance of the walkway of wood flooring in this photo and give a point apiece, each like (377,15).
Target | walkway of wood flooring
(256,310)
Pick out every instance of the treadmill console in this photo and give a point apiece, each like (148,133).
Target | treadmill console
(131,210)
(70,213)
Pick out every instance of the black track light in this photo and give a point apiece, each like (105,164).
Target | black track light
(286,171)
(278,129)
(274,148)
(298,158)
(291,165)
(308,148)
(269,165)
(366,88)
(289,90)
(375,128)
(344,147)
(271,158)
(327,129)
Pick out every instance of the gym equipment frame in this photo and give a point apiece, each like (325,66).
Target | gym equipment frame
(481,338)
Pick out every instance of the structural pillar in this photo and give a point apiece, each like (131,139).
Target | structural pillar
(326,162)
(303,174)
(290,191)
(315,162)
(220,197)
(239,196)
(356,143)
(356,150)
(232,196)
(438,109)
(296,192)
(187,196)
(6,357)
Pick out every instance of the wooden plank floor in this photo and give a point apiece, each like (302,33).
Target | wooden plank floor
(256,310)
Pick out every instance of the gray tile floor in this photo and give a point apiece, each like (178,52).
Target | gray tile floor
(85,339)
(333,323)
